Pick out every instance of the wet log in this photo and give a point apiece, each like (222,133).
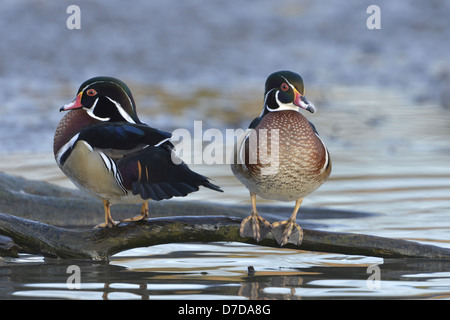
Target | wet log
(99,244)
(56,222)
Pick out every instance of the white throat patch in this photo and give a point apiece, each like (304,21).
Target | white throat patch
(90,112)
(283,106)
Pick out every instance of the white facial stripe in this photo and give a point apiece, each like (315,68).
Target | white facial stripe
(267,94)
(95,104)
(293,88)
(122,112)
(129,99)
(265,101)
(100,81)
(118,106)
(283,106)
(90,112)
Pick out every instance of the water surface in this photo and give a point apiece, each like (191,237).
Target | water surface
(381,97)
(390,158)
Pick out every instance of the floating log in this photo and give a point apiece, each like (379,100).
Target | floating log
(56,222)
(99,244)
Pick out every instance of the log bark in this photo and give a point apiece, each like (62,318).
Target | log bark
(66,218)
(99,244)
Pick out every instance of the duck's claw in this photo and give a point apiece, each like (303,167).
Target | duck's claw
(287,232)
(254,226)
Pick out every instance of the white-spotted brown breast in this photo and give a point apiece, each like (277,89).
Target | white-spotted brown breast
(284,158)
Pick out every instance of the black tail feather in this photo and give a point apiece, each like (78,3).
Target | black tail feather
(211,186)
(153,175)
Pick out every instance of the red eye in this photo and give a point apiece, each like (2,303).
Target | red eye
(284,86)
(91,92)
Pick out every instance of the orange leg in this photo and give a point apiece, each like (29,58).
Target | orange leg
(254,225)
(288,231)
(109,221)
(142,217)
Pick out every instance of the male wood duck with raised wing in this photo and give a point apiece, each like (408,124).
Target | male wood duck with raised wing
(103,147)
(280,157)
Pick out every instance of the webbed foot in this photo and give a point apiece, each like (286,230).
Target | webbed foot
(109,224)
(254,226)
(141,217)
(287,232)
(109,221)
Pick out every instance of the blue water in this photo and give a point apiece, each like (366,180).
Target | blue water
(381,97)
(405,186)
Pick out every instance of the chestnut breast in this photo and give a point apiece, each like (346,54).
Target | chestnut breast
(284,158)
(286,137)
(72,123)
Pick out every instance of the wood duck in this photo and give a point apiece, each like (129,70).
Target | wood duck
(103,147)
(280,157)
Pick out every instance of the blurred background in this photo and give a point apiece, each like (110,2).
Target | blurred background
(383,95)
